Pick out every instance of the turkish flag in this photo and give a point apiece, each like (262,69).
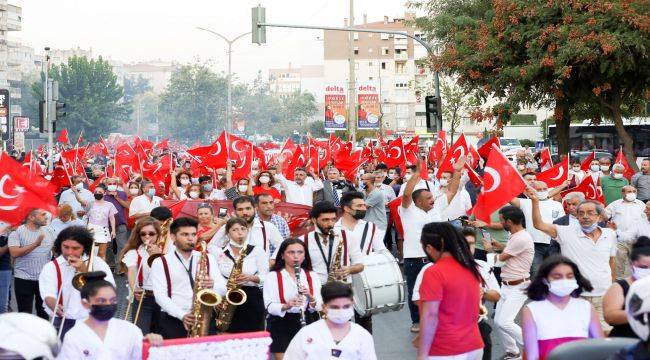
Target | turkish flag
(95,183)
(63,137)
(238,147)
(590,188)
(349,166)
(244,167)
(459,149)
(545,161)
(473,176)
(126,162)
(261,157)
(586,163)
(621,159)
(164,144)
(60,177)
(473,157)
(297,160)
(439,148)
(501,183)
(287,151)
(217,155)
(394,214)
(103,147)
(556,175)
(485,149)
(318,154)
(395,154)
(336,145)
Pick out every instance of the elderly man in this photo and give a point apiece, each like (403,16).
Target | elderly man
(333,187)
(642,228)
(301,189)
(625,214)
(78,197)
(641,181)
(570,203)
(613,183)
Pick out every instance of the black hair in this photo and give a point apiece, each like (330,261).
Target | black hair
(513,214)
(575,161)
(443,236)
(234,221)
(203,178)
(641,247)
(381,166)
(76,233)
(242,200)
(412,167)
(348,196)
(258,196)
(279,261)
(161,213)
(103,186)
(94,281)
(335,290)
(469,231)
(322,207)
(417,193)
(182,222)
(538,289)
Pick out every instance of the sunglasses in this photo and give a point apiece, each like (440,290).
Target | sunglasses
(143,234)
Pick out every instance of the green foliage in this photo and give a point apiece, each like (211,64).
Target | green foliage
(135,86)
(92,95)
(523,119)
(527,142)
(317,129)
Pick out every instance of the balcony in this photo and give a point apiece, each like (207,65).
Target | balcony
(402,56)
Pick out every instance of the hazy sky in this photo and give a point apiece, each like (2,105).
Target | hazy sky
(138,30)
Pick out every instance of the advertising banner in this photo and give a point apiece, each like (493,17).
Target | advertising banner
(368,112)
(335,107)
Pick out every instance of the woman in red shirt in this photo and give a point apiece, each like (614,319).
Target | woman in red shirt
(266,183)
(207,224)
(449,296)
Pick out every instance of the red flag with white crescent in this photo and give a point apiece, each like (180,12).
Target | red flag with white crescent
(460,148)
(556,175)
(621,159)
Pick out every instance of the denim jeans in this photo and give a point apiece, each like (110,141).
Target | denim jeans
(5,288)
(412,267)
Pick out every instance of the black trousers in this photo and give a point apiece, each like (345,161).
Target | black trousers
(364,321)
(486,330)
(67,325)
(149,314)
(171,327)
(28,297)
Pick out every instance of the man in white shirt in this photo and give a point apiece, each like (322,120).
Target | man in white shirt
(142,205)
(301,189)
(591,247)
(419,208)
(625,213)
(336,337)
(641,229)
(55,281)
(421,184)
(460,204)
(550,209)
(77,196)
(173,276)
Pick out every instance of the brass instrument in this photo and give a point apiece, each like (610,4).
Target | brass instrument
(296,271)
(162,240)
(336,264)
(79,279)
(204,300)
(235,296)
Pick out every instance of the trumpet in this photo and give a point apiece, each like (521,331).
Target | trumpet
(162,241)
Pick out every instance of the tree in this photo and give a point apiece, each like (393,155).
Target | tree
(28,102)
(456,102)
(135,86)
(299,107)
(92,96)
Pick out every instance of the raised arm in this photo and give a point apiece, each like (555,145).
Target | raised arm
(408,188)
(454,184)
(538,223)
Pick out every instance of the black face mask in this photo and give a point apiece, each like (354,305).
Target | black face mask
(99,196)
(103,312)
(359,214)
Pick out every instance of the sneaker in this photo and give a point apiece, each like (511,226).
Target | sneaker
(415,328)
(511,356)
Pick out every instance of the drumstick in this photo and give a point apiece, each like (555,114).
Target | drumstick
(63,319)
(56,304)
(132,295)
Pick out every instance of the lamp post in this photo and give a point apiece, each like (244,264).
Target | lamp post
(230,42)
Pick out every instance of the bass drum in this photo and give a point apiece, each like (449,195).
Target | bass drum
(380,286)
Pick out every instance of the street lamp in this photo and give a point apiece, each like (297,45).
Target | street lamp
(230,42)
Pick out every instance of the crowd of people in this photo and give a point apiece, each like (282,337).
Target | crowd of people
(561,262)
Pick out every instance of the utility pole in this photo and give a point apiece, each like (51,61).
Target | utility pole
(47,97)
(352,84)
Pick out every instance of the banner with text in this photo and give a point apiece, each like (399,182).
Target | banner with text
(335,104)
(368,111)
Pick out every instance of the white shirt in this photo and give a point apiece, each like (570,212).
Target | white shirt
(130,260)
(591,257)
(373,242)
(255,263)
(550,210)
(642,228)
(389,193)
(68,197)
(422,184)
(217,194)
(458,206)
(626,214)
(180,302)
(319,264)
(255,237)
(315,342)
(299,194)
(413,220)
(272,294)
(47,285)
(123,341)
(142,204)
(552,322)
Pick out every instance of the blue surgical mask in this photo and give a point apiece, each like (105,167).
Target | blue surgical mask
(589,229)
(207,187)
(151,192)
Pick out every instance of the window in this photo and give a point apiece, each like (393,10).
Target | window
(356,50)
(384,36)
(356,35)
(384,50)
(370,78)
(398,51)
(400,68)
(383,65)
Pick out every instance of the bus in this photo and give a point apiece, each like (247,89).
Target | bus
(586,136)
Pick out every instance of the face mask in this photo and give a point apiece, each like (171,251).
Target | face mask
(99,196)
(392,176)
(594,168)
(407,177)
(378,184)
(134,191)
(563,287)
(640,273)
(112,187)
(521,167)
(151,192)
(359,214)
(444,182)
(576,169)
(340,316)
(242,188)
(194,194)
(264,179)
(103,312)
(79,186)
(207,187)
(617,176)
(630,197)
(589,229)
(185,182)
(542,195)
(604,167)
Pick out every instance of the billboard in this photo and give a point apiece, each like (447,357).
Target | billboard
(368,112)
(335,107)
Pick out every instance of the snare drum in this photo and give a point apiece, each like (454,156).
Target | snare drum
(380,286)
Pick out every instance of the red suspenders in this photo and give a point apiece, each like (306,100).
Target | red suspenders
(372,238)
(58,280)
(139,274)
(168,277)
(281,285)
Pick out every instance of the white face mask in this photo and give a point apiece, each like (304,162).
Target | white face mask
(542,195)
(640,273)
(378,184)
(604,167)
(185,182)
(79,186)
(264,179)
(576,169)
(630,197)
(392,176)
(194,194)
(340,316)
(407,177)
(134,191)
(594,168)
(444,182)
(563,287)
(112,187)
(242,188)
(617,176)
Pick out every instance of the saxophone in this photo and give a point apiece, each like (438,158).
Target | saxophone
(235,296)
(204,300)
(337,263)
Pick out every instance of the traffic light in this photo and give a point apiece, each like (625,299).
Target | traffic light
(258,32)
(42,125)
(59,110)
(433,105)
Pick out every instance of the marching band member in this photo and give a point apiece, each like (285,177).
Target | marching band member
(260,233)
(101,336)
(172,278)
(142,244)
(336,336)
(285,301)
(72,247)
(248,316)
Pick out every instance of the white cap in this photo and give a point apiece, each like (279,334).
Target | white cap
(28,335)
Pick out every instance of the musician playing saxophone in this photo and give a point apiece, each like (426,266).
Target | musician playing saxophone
(248,316)
(173,276)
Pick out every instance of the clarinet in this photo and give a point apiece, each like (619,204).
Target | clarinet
(296,270)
